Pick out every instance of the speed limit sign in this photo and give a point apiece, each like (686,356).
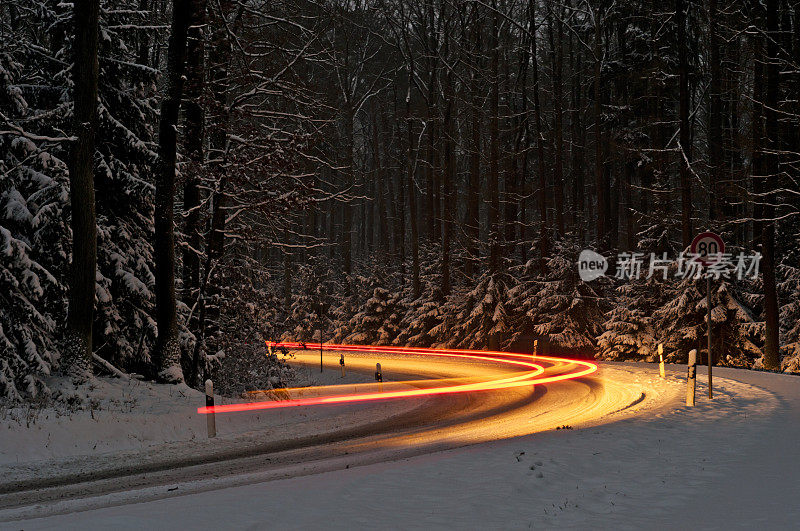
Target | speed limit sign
(708,246)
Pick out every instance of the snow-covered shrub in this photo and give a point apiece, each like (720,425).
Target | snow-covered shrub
(249,367)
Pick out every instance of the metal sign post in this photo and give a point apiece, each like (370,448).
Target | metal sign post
(708,246)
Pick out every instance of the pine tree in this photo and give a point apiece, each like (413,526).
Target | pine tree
(377,321)
(559,308)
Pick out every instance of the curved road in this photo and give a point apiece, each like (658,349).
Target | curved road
(441,420)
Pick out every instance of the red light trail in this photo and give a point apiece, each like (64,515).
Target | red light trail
(530,375)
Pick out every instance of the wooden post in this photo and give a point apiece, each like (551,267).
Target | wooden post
(661,360)
(210,420)
(691,379)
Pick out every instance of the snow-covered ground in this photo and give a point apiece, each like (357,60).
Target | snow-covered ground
(730,462)
(124,420)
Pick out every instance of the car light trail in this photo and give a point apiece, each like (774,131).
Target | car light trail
(531,375)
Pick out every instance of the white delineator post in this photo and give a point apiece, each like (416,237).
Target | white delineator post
(691,379)
(379,376)
(210,420)
(341,362)
(535,348)
(661,360)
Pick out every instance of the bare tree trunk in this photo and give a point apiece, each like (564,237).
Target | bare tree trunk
(716,184)
(194,137)
(494,146)
(449,163)
(80,312)
(601,183)
(380,179)
(771,309)
(558,119)
(287,271)
(166,353)
(347,229)
(685,152)
(578,147)
(472,219)
(537,111)
(412,193)
(447,203)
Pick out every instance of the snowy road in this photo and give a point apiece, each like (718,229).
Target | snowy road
(728,464)
(437,423)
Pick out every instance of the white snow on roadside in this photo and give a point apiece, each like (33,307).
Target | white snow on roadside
(122,418)
(733,462)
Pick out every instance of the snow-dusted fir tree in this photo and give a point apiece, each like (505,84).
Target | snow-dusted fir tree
(36,111)
(377,321)
(789,287)
(421,318)
(310,304)
(680,320)
(477,318)
(558,308)
(33,198)
(629,333)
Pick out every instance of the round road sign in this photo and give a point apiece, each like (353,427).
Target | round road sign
(709,248)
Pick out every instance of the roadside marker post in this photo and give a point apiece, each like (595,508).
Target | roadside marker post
(661,360)
(211,422)
(691,379)
(341,362)
(535,348)
(709,248)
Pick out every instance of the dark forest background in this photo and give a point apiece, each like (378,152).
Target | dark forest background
(388,171)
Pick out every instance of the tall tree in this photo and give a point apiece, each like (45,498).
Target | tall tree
(194,139)
(685,147)
(472,214)
(494,144)
(770,177)
(537,111)
(80,311)
(166,353)
(601,182)
(716,188)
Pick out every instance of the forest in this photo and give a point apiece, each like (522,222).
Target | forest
(181,180)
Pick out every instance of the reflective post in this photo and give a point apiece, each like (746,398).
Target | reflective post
(211,423)
(691,378)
